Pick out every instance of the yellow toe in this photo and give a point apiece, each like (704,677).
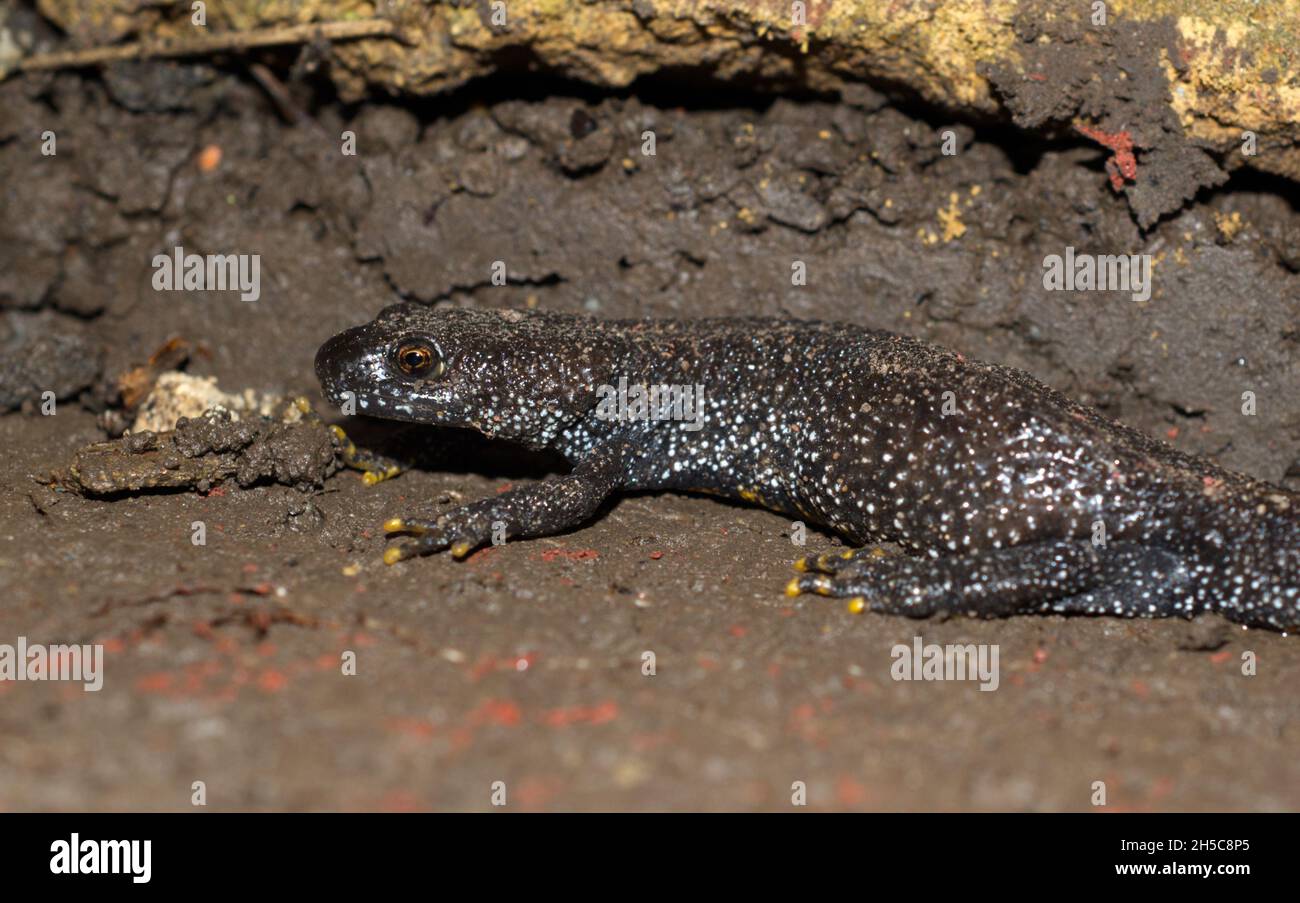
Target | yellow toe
(393,555)
(394,525)
(792,588)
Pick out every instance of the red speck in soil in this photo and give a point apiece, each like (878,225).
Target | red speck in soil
(534,793)
(399,801)
(271,681)
(154,683)
(656,555)
(601,713)
(737,630)
(497,711)
(1220,657)
(1122,165)
(569,555)
(848,792)
(1172,432)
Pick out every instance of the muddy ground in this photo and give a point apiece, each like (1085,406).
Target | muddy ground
(524,664)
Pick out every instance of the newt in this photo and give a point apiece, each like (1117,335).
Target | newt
(1005,495)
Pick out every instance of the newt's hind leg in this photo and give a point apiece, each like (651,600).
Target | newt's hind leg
(1143,583)
(988,584)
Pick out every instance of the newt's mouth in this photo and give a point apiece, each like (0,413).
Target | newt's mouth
(373,404)
(385,406)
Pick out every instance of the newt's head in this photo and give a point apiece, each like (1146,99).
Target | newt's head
(520,375)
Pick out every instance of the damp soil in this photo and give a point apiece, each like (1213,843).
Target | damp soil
(526,663)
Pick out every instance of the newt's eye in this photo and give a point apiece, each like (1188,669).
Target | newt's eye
(418,360)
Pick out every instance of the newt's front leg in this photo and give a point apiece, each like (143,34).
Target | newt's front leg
(375,468)
(550,506)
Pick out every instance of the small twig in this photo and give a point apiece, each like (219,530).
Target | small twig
(275,89)
(237,40)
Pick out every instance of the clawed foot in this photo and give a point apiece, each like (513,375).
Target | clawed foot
(834,563)
(461,531)
(839,575)
(375,468)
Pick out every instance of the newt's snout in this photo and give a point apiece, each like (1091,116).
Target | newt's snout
(339,362)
